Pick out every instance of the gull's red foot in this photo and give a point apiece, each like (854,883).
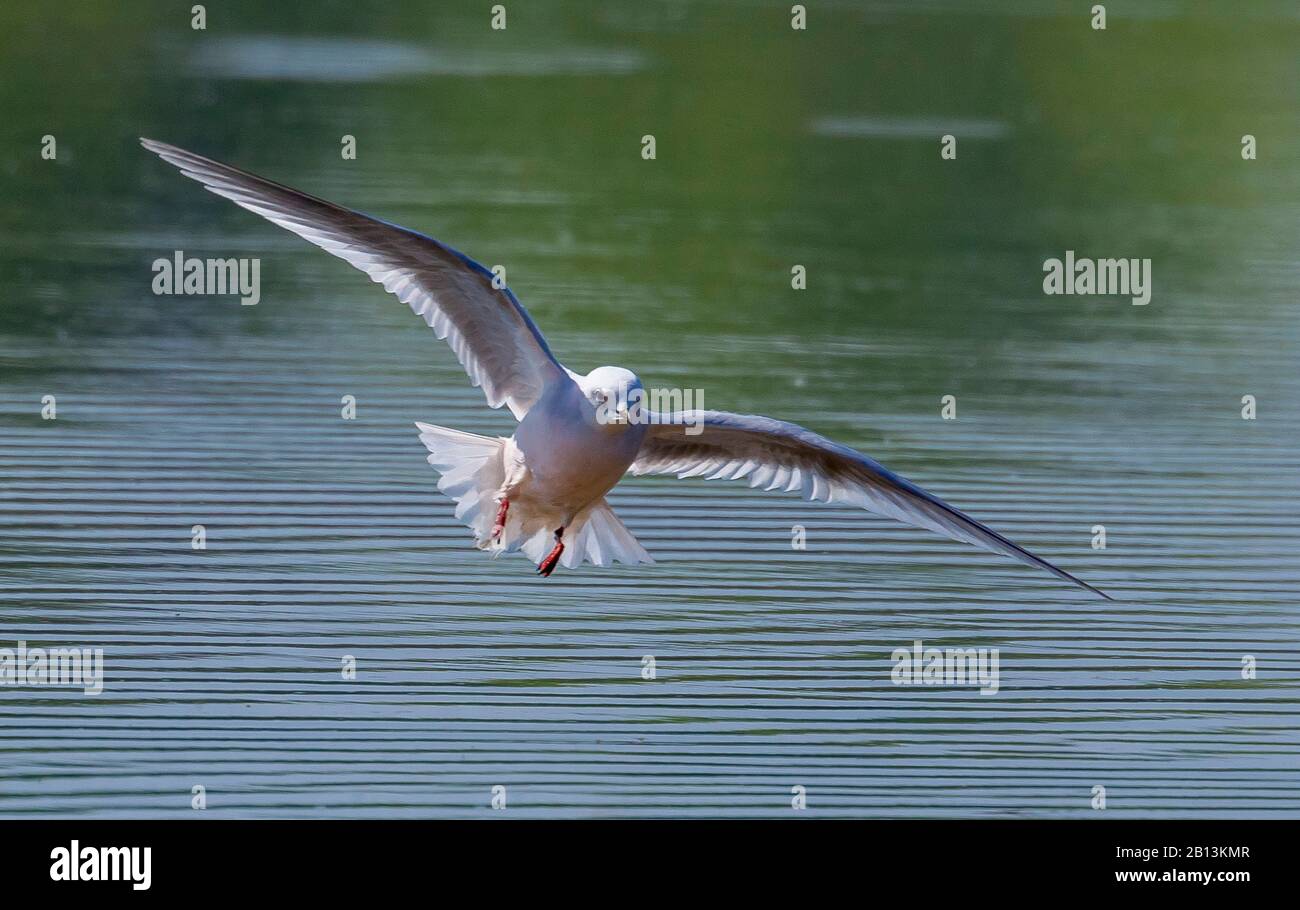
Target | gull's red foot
(548,564)
(500,524)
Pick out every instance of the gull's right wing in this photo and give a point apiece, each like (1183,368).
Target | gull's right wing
(496,342)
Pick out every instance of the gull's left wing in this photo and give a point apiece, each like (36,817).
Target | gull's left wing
(492,334)
(782,456)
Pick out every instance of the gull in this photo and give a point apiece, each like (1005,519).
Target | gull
(542,491)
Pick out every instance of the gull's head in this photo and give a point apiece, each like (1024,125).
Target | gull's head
(614,394)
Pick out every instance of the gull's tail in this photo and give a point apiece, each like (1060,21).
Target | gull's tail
(473,470)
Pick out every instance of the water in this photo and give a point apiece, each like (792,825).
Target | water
(327,538)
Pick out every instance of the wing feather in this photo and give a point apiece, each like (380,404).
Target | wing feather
(491,333)
(785,456)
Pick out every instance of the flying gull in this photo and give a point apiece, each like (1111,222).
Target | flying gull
(542,491)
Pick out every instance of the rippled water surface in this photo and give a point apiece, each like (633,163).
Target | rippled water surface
(327,538)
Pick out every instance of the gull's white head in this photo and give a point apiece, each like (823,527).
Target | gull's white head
(615,395)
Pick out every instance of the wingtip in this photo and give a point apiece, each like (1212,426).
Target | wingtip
(1066,576)
(1098,591)
(162,149)
(158,148)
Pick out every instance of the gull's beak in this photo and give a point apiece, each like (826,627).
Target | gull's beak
(621,415)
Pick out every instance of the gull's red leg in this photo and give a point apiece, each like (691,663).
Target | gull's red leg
(552,558)
(500,524)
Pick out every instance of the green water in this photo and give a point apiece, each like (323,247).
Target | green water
(774,148)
